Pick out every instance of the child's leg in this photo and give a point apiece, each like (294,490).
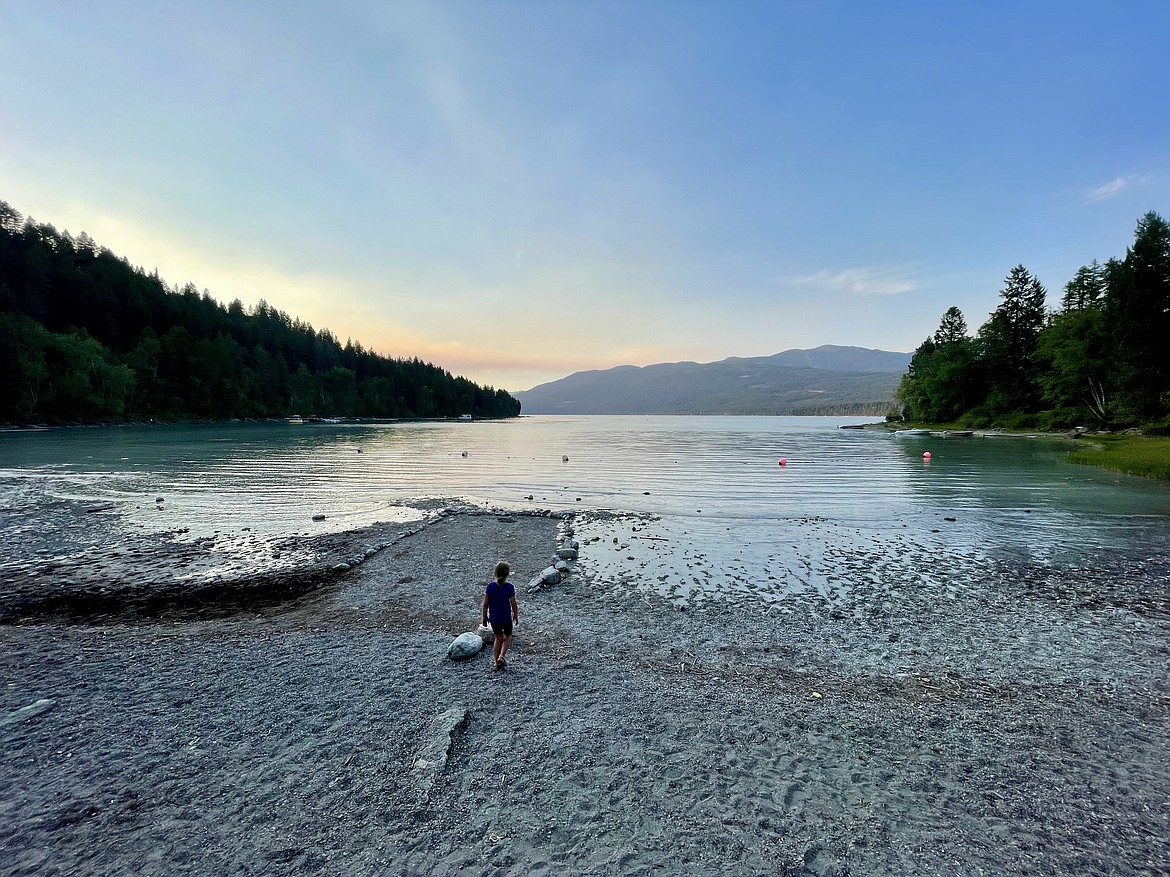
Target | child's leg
(507,641)
(497,647)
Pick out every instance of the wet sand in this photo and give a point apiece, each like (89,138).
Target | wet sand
(1017,725)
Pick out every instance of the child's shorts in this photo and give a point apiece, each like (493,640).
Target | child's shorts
(502,628)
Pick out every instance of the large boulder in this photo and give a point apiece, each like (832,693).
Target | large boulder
(567,553)
(466,645)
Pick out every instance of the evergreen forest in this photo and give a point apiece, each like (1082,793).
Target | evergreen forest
(1100,360)
(86,337)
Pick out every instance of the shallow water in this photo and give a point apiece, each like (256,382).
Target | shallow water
(729,519)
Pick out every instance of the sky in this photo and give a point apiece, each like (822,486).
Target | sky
(516,191)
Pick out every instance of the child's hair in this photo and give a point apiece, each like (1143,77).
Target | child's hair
(502,570)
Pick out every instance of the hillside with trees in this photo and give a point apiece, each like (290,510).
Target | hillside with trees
(825,380)
(1102,359)
(84,336)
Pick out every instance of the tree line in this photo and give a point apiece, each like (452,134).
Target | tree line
(1102,359)
(84,336)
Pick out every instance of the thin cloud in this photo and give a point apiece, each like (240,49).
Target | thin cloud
(857,281)
(1110,189)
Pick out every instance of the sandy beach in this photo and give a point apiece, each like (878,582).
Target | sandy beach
(318,728)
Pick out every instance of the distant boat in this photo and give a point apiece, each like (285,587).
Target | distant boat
(959,432)
(905,432)
(465,417)
(851,426)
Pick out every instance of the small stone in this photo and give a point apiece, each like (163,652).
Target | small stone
(27,712)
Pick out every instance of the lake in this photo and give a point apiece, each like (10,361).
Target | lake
(712,513)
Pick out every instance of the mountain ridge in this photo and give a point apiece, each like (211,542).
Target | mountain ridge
(829,379)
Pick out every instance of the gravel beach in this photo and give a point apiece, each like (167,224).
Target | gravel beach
(305,720)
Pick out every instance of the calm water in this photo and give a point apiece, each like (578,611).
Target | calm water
(713,481)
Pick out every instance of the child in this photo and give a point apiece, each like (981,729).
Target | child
(499,606)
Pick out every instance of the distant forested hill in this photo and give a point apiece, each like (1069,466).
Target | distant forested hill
(824,380)
(86,337)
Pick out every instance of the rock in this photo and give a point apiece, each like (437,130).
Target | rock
(567,553)
(341,567)
(486,634)
(318,517)
(431,758)
(562,566)
(550,576)
(466,645)
(27,712)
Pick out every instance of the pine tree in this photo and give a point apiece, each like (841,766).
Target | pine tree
(1086,289)
(1138,305)
(1008,344)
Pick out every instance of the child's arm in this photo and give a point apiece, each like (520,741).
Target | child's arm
(483,609)
(515,610)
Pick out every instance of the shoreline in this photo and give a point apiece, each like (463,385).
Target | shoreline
(1018,727)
